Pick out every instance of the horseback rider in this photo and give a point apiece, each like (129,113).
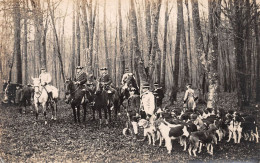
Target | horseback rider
(125,78)
(147,101)
(132,109)
(105,80)
(81,77)
(45,79)
(159,95)
(189,98)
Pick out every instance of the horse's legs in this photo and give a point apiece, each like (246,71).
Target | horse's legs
(44,106)
(78,113)
(109,113)
(74,113)
(54,110)
(105,110)
(93,112)
(36,111)
(85,112)
(100,115)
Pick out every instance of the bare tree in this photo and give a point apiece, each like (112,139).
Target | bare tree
(214,20)
(121,41)
(177,54)
(17,40)
(166,18)
(257,54)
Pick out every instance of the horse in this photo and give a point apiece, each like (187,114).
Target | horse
(26,94)
(43,98)
(101,102)
(114,102)
(124,90)
(76,95)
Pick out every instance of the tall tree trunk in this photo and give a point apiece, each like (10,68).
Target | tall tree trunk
(200,49)
(138,56)
(239,53)
(214,21)
(121,41)
(105,40)
(17,40)
(166,18)
(73,44)
(177,54)
(155,46)
(25,3)
(189,28)
(248,38)
(115,56)
(57,41)
(257,55)
(78,32)
(148,27)
(184,49)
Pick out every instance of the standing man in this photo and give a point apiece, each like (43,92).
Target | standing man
(189,98)
(147,101)
(159,95)
(133,110)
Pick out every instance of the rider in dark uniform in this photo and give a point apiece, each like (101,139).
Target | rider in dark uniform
(105,80)
(159,95)
(81,77)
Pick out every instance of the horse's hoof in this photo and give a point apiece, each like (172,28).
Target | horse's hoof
(52,118)
(55,119)
(119,114)
(45,122)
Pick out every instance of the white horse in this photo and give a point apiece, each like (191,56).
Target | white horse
(41,98)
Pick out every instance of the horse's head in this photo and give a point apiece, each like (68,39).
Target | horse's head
(69,88)
(36,84)
(68,85)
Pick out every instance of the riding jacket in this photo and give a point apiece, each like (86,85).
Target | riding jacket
(125,77)
(45,78)
(148,102)
(105,78)
(159,96)
(81,77)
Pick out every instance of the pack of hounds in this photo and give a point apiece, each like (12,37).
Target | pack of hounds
(199,127)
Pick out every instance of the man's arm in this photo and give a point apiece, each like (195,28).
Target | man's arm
(109,80)
(83,79)
(185,96)
(48,78)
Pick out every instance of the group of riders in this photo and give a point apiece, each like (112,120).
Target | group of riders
(138,105)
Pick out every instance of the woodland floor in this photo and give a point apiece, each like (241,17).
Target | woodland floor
(65,141)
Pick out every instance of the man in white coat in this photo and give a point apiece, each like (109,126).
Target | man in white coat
(45,78)
(147,101)
(189,98)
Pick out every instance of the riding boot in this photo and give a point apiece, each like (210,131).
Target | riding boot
(100,122)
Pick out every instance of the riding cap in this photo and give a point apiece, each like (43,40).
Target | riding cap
(146,85)
(132,89)
(189,84)
(126,69)
(156,84)
(43,68)
(79,67)
(104,68)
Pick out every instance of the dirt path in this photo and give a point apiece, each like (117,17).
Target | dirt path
(64,141)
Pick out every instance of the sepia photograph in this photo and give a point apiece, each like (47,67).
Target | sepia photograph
(129,81)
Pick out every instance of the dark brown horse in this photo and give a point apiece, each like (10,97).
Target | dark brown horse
(76,95)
